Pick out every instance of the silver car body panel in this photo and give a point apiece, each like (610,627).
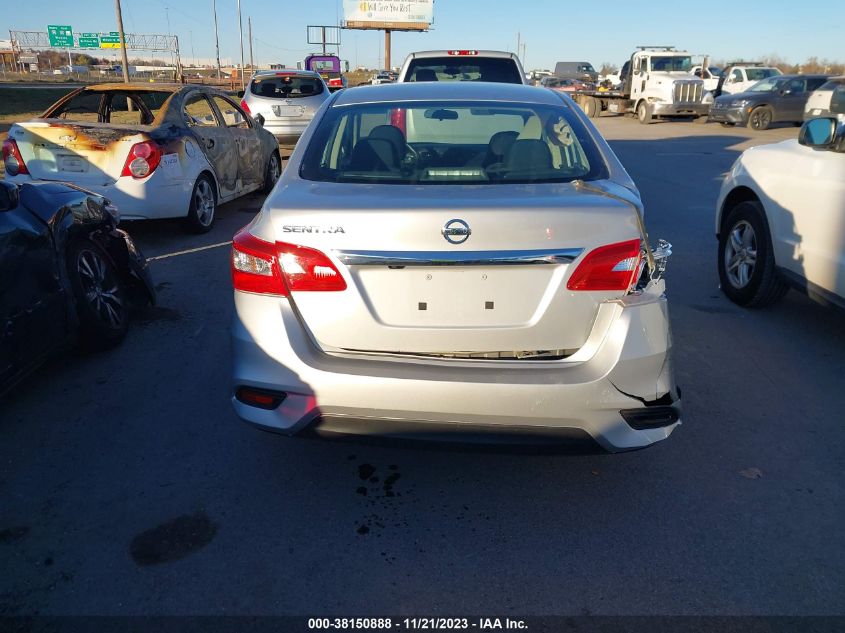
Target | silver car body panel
(421,331)
(286,119)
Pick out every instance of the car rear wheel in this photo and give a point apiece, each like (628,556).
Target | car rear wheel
(272,173)
(644,114)
(203,207)
(761,118)
(101,301)
(746,261)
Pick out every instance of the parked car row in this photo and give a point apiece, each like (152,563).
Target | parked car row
(468,290)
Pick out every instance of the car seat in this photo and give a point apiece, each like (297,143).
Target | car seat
(498,147)
(425,74)
(526,158)
(268,89)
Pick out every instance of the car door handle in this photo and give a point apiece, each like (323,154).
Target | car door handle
(209,143)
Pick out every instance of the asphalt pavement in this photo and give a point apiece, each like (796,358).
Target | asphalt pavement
(128,486)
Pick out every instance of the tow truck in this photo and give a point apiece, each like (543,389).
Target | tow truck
(656,82)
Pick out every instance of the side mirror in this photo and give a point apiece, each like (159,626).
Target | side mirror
(259,118)
(9,196)
(818,133)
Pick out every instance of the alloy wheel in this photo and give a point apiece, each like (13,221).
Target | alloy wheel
(760,119)
(204,202)
(741,254)
(275,169)
(100,287)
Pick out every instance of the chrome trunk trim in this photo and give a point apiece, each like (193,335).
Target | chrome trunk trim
(466,258)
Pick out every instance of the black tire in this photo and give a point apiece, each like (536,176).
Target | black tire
(726,124)
(202,210)
(644,113)
(752,285)
(272,172)
(101,300)
(760,118)
(592,107)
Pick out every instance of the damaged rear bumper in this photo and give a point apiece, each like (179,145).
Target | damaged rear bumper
(624,366)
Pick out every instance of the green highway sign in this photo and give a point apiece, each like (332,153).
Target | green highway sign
(110,41)
(60,35)
(89,40)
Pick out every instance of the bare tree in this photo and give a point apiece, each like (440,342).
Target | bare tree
(608,69)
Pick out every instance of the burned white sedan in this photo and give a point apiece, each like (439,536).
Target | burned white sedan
(154,150)
(464,261)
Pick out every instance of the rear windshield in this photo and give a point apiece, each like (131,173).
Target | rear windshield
(451,143)
(756,74)
(287,87)
(459,68)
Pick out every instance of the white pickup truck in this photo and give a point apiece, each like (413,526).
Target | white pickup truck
(738,78)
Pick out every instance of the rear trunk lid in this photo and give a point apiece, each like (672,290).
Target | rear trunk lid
(82,153)
(498,292)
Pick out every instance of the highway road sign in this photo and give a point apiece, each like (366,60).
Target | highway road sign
(60,35)
(89,40)
(110,41)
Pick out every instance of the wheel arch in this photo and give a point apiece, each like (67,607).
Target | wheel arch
(737,195)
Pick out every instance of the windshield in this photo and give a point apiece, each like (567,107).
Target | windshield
(327,64)
(671,63)
(285,87)
(756,74)
(767,85)
(451,143)
(586,68)
(459,68)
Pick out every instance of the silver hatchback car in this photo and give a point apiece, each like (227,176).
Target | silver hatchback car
(286,99)
(458,260)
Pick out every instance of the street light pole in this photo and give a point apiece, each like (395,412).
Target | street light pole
(241,30)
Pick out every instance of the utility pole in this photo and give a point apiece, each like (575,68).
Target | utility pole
(387,49)
(251,64)
(518,39)
(241,31)
(216,38)
(122,45)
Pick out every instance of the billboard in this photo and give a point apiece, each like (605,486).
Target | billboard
(396,15)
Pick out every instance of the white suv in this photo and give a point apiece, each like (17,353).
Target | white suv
(463,65)
(780,219)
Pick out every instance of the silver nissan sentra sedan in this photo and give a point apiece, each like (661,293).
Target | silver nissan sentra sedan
(462,260)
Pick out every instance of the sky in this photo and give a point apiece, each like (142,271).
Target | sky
(552,30)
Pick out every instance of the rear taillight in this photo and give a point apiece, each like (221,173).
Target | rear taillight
(245,107)
(280,268)
(307,269)
(255,267)
(143,159)
(611,267)
(462,52)
(398,119)
(12,159)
